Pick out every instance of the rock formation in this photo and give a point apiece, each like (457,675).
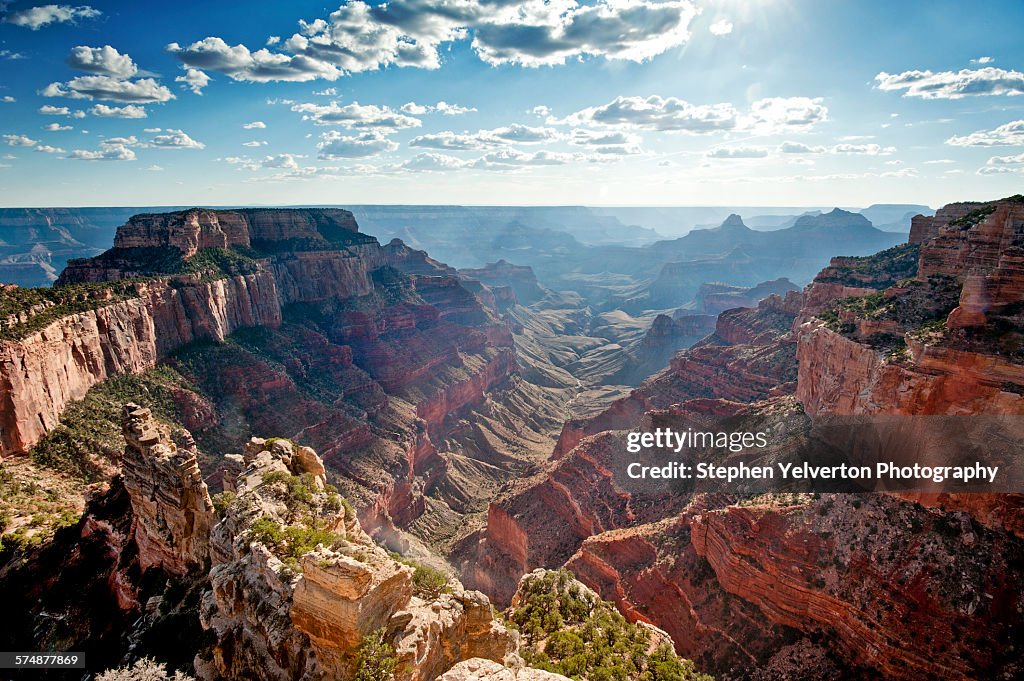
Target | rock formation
(170,503)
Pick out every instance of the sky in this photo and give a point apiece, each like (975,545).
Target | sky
(491,102)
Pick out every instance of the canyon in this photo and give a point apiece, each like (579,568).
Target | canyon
(291,379)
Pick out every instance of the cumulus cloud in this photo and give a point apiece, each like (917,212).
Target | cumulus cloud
(1005,160)
(864,149)
(953,84)
(19,141)
(982,60)
(37,17)
(721,27)
(127,111)
(326,92)
(771,115)
(194,79)
(155,168)
(109,88)
(104,60)
(442,107)
(46,149)
(255,143)
(737,152)
(776,114)
(360,37)
(335,145)
(111,153)
(175,139)
(285,161)
(7,99)
(510,159)
(451,140)
(800,148)
(1008,134)
(56,127)
(999,170)
(658,113)
(486,139)
(356,115)
(12,56)
(239,63)
(255,125)
(431,161)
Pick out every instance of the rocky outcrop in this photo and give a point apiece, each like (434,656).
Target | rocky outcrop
(193,230)
(520,279)
(277,617)
(170,503)
(479,669)
(713,299)
(923,228)
(44,370)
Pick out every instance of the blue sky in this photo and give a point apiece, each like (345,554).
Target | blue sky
(606,102)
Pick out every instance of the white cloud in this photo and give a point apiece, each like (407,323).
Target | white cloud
(255,125)
(999,170)
(1005,160)
(431,161)
(112,152)
(486,139)
(7,99)
(360,37)
(56,127)
(442,107)
(238,63)
(356,115)
(104,60)
(540,110)
(273,40)
(255,143)
(19,141)
(603,137)
(982,60)
(1008,134)
(737,152)
(800,148)
(175,139)
(864,149)
(155,168)
(658,113)
(37,17)
(452,141)
(510,159)
(127,111)
(335,145)
(777,114)
(140,91)
(194,79)
(12,56)
(721,27)
(326,92)
(939,161)
(285,161)
(46,149)
(48,110)
(953,84)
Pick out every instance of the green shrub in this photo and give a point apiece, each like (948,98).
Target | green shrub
(376,659)
(222,500)
(429,583)
(289,542)
(566,630)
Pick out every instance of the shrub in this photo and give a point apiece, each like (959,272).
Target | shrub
(376,659)
(145,669)
(291,542)
(429,583)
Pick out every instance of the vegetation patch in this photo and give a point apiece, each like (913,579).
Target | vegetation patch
(566,629)
(881,270)
(376,659)
(24,310)
(89,436)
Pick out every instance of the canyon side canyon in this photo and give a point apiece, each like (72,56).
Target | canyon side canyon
(262,444)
